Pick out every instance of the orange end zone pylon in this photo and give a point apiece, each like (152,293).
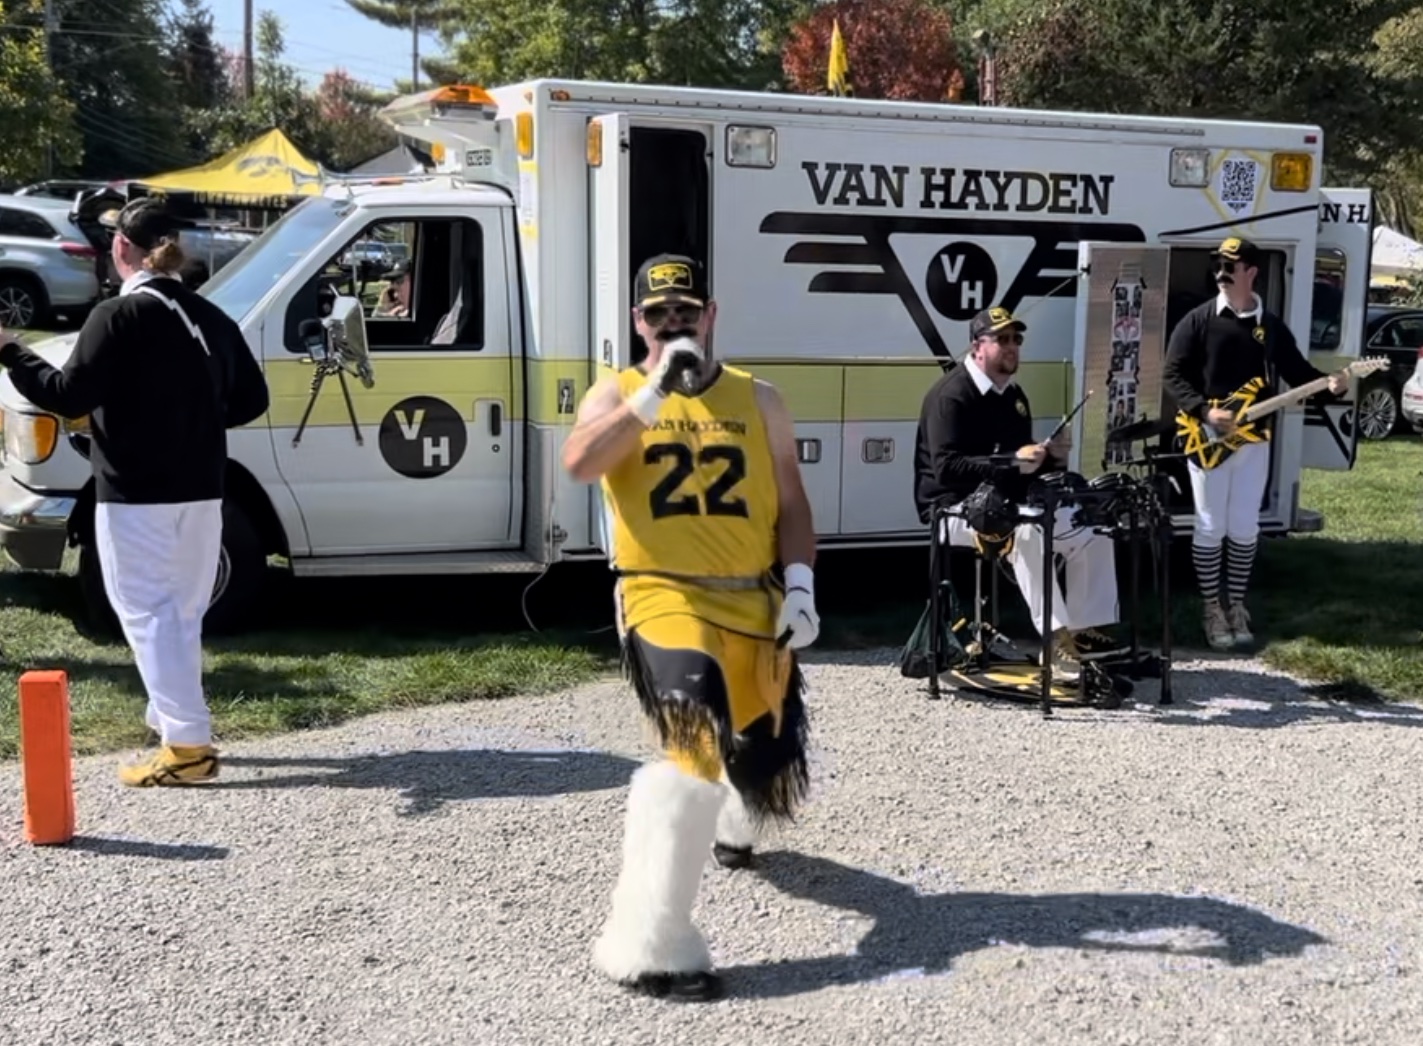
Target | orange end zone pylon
(46,757)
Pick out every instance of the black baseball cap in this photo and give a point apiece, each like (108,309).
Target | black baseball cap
(991,321)
(670,278)
(143,222)
(1238,250)
(398,270)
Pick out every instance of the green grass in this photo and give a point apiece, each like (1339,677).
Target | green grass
(308,668)
(1344,607)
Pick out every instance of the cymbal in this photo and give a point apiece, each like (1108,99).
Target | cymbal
(1147,428)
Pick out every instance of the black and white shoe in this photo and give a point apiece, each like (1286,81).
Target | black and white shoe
(699,986)
(1094,645)
(732,856)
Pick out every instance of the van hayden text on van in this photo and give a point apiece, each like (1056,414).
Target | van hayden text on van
(838,184)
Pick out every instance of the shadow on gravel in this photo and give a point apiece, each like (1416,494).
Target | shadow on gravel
(428,780)
(111,847)
(918,934)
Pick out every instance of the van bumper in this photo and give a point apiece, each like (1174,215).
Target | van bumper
(33,527)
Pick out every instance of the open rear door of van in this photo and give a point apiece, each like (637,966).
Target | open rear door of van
(1337,319)
(609,166)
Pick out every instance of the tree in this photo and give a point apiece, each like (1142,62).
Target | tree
(37,115)
(112,59)
(279,99)
(199,71)
(415,15)
(1295,61)
(702,43)
(354,132)
(886,60)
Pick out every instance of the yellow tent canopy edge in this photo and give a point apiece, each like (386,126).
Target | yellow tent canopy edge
(266,172)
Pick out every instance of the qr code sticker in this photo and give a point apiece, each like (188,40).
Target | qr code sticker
(1237,184)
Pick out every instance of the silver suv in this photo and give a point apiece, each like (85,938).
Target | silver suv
(47,264)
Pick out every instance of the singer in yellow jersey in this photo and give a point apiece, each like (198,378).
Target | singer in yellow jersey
(704,501)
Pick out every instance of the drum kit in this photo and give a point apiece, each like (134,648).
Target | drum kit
(1132,504)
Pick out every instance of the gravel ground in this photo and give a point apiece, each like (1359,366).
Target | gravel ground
(1239,868)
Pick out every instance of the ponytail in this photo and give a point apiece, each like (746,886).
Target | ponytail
(166,258)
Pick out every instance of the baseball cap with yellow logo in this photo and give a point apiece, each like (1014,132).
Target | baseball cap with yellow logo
(670,278)
(1235,249)
(991,321)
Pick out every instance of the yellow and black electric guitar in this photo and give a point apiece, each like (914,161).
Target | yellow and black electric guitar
(1208,447)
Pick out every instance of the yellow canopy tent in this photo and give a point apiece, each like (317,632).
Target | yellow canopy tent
(266,172)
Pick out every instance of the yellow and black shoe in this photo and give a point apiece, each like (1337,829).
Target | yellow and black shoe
(172,765)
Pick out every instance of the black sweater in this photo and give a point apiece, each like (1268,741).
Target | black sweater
(957,422)
(159,405)
(1211,354)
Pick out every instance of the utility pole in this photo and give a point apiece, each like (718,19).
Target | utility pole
(51,23)
(414,48)
(248,79)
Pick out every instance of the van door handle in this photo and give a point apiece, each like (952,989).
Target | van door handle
(496,417)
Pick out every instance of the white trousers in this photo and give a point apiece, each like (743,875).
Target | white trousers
(1228,497)
(159,564)
(1090,566)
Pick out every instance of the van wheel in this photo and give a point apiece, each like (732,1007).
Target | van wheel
(236,593)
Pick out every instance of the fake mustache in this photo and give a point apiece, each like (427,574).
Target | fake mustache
(665,336)
(1223,279)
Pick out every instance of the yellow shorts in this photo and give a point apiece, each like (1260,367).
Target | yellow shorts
(723,701)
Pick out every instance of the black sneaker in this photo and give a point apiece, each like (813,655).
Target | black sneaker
(1094,645)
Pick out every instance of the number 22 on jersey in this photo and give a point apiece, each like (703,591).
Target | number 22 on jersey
(667,498)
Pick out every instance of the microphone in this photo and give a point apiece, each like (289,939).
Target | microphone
(689,372)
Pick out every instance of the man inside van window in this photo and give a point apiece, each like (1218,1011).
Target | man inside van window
(978,410)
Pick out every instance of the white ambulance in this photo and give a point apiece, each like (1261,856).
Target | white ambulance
(847,241)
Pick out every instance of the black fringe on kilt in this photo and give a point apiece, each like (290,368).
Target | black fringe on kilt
(770,771)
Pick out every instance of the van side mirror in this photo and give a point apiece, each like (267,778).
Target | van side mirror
(346,339)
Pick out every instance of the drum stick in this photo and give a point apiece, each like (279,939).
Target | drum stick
(1070,415)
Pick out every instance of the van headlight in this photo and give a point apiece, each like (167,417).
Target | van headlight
(30,438)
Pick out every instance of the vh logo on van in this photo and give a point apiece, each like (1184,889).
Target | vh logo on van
(1008,237)
(422,437)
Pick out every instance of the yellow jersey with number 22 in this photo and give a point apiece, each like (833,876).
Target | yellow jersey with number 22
(698,499)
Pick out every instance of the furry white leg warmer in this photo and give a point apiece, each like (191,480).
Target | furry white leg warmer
(734,827)
(670,826)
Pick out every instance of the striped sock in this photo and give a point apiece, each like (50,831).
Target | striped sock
(1207,560)
(1238,561)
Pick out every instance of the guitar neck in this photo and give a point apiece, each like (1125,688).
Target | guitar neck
(1284,399)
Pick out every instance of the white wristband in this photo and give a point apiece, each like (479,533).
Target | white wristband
(646,403)
(798,575)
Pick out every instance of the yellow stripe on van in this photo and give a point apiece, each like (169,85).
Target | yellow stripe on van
(815,392)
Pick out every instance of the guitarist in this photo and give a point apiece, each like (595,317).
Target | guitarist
(1216,348)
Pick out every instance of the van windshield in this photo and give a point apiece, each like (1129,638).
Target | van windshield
(242,282)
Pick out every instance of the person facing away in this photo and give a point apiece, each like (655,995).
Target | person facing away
(698,467)
(1217,348)
(162,374)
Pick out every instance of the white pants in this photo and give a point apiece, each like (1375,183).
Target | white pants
(1090,599)
(1228,496)
(159,564)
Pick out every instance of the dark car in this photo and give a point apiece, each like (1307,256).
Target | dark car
(1396,332)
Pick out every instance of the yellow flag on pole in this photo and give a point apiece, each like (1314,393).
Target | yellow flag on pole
(838,78)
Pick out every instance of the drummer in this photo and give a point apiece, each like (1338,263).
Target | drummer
(976,411)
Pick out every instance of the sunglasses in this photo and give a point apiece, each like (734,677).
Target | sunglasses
(1222,265)
(1007,338)
(657,315)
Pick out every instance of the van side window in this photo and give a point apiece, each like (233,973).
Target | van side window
(1327,309)
(420,281)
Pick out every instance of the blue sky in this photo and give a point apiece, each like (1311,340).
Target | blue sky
(324,34)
